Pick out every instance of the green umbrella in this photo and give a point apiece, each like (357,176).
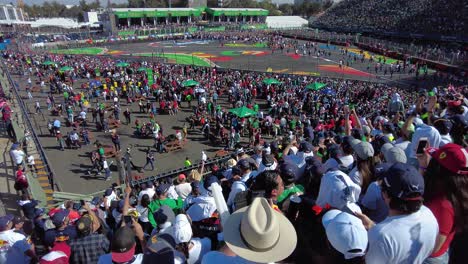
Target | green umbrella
(242,111)
(271,81)
(66,68)
(48,63)
(187,83)
(316,86)
(142,69)
(122,64)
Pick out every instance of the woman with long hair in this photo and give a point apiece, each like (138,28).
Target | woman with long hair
(142,209)
(446,194)
(363,172)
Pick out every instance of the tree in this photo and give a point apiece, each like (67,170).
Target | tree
(286,9)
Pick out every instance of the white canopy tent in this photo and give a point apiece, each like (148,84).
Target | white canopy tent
(286,22)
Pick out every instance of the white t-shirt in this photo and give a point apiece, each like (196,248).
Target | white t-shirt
(149,191)
(107,259)
(15,245)
(405,239)
(200,247)
(143,211)
(203,207)
(183,189)
(216,257)
(237,187)
(31,160)
(171,193)
(18,155)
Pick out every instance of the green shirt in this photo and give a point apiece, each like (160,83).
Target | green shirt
(187,163)
(175,205)
(290,191)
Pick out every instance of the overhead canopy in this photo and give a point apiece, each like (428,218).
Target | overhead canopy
(286,22)
(188,83)
(155,12)
(271,81)
(242,111)
(315,86)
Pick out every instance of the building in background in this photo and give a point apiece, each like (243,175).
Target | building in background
(10,14)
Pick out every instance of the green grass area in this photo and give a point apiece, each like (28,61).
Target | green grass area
(78,51)
(179,58)
(242,45)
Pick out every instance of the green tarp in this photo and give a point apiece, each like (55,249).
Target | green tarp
(316,86)
(122,64)
(242,111)
(271,81)
(188,83)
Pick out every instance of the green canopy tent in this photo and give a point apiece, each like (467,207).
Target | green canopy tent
(142,69)
(316,86)
(122,64)
(48,63)
(242,111)
(66,68)
(270,81)
(188,83)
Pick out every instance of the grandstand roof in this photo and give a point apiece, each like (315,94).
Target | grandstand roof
(285,21)
(155,12)
(237,11)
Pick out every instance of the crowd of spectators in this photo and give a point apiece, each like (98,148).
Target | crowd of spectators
(352,172)
(420,16)
(445,52)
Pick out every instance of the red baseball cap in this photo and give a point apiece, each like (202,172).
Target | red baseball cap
(181,177)
(451,156)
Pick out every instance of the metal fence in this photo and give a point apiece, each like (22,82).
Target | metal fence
(27,120)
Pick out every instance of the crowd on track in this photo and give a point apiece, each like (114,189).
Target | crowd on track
(340,171)
(420,16)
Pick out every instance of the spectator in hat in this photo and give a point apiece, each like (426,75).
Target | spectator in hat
(444,195)
(372,202)
(161,249)
(89,245)
(392,154)
(193,249)
(362,173)
(164,218)
(459,130)
(256,233)
(63,232)
(239,181)
(18,224)
(18,249)
(162,199)
(28,206)
(305,150)
(193,194)
(123,246)
(408,234)
(288,173)
(109,197)
(347,235)
(443,126)
(182,188)
(228,172)
(337,190)
(268,162)
(203,206)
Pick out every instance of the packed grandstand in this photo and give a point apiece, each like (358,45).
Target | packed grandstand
(289,168)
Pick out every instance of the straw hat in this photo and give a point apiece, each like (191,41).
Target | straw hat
(260,234)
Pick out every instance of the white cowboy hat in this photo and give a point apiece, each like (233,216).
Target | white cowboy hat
(260,234)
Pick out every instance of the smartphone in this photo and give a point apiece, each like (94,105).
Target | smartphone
(128,220)
(421,146)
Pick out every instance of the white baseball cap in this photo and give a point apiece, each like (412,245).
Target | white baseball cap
(346,233)
(182,229)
